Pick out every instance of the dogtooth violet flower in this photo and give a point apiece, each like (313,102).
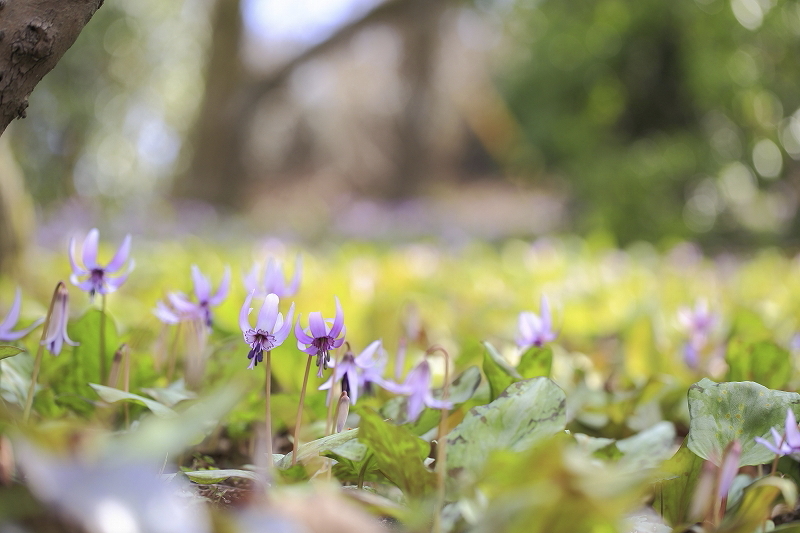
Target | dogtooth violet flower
(183,308)
(99,278)
(788,444)
(271,328)
(699,323)
(321,337)
(56,334)
(356,372)
(418,389)
(533,329)
(10,321)
(273,280)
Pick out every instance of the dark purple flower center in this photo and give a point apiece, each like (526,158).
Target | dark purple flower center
(260,341)
(96,277)
(323,346)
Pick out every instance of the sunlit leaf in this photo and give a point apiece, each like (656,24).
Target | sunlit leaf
(498,372)
(313,449)
(763,362)
(112,395)
(210,477)
(524,414)
(173,394)
(722,412)
(674,492)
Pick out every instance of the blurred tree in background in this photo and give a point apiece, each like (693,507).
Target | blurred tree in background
(657,119)
(666,118)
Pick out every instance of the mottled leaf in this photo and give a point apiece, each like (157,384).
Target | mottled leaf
(313,449)
(722,412)
(536,362)
(524,414)
(498,372)
(209,477)
(675,490)
(111,395)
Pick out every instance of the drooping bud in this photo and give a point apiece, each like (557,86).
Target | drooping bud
(342,410)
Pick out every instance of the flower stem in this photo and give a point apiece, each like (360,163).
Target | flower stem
(102,353)
(37,363)
(126,385)
(299,418)
(363,472)
(441,443)
(172,356)
(268,413)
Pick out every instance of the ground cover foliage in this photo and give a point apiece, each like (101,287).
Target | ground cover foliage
(634,407)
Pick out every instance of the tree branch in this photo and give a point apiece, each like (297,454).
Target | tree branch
(34,35)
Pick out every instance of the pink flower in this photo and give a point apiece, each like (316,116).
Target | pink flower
(535,330)
(183,308)
(10,321)
(56,334)
(271,328)
(321,336)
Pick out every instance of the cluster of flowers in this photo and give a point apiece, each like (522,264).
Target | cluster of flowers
(355,372)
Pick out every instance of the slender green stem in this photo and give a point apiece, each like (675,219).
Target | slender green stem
(299,418)
(102,353)
(363,472)
(37,363)
(126,385)
(268,414)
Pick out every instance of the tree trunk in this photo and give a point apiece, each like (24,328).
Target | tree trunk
(34,35)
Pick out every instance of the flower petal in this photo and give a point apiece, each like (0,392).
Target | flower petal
(78,271)
(13,314)
(268,313)
(317,325)
(366,358)
(768,445)
(244,322)
(338,322)
(202,287)
(792,432)
(544,311)
(121,256)
(224,288)
(302,336)
(282,332)
(90,249)
(295,283)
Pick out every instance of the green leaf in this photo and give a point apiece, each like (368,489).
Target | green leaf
(722,412)
(648,448)
(523,415)
(536,362)
(675,491)
(763,362)
(398,453)
(112,395)
(9,351)
(210,477)
(173,394)
(312,450)
(757,503)
(498,372)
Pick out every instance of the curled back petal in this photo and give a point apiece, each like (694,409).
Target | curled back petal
(338,321)
(244,313)
(792,432)
(302,336)
(76,270)
(121,256)
(13,314)
(202,287)
(90,249)
(282,332)
(269,313)
(224,288)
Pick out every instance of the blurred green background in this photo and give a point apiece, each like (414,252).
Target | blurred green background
(647,120)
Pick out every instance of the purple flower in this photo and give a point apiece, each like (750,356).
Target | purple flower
(273,280)
(10,321)
(699,323)
(788,444)
(184,308)
(56,334)
(729,468)
(98,278)
(270,331)
(533,329)
(418,389)
(321,337)
(356,372)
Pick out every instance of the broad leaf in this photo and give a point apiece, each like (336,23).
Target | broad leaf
(9,351)
(722,412)
(313,449)
(173,394)
(112,395)
(524,414)
(498,372)
(536,362)
(675,491)
(398,453)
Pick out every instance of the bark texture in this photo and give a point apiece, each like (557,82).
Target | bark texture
(34,35)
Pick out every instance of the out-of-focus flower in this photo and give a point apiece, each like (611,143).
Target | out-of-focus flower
(321,337)
(729,468)
(418,389)
(98,277)
(342,410)
(10,321)
(699,323)
(271,328)
(183,308)
(789,442)
(356,372)
(114,496)
(56,334)
(273,280)
(535,330)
